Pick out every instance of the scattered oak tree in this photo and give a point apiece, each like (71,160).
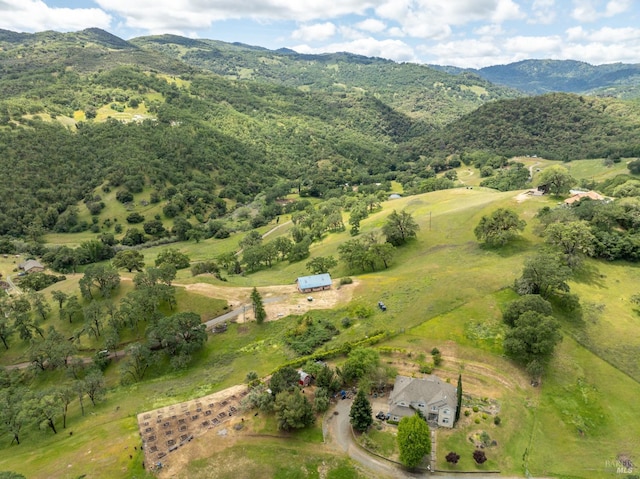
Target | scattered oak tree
(528,302)
(321,264)
(174,257)
(532,340)
(399,228)
(414,440)
(284,379)
(544,274)
(129,259)
(293,410)
(556,178)
(499,227)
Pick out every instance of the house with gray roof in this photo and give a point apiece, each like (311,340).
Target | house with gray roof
(437,400)
(31,266)
(316,282)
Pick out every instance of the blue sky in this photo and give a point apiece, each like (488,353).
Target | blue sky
(465,33)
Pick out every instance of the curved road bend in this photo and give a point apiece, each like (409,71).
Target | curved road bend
(337,433)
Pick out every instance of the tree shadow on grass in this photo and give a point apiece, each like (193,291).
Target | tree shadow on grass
(588,273)
(514,247)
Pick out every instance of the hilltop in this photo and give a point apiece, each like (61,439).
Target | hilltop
(536,77)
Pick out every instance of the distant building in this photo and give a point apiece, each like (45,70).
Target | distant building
(435,399)
(305,379)
(317,282)
(578,195)
(31,266)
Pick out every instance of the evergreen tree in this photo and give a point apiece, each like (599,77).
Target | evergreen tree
(258,308)
(361,414)
(459,392)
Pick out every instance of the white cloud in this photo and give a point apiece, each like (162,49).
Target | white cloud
(599,53)
(489,31)
(584,11)
(162,14)
(543,12)
(576,33)
(372,25)
(463,53)
(314,33)
(531,46)
(435,18)
(36,16)
(587,11)
(616,7)
(604,35)
(391,49)
(615,35)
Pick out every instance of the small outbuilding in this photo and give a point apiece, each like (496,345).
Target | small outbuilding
(31,266)
(305,378)
(317,282)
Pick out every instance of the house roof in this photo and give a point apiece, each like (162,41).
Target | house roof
(431,391)
(30,264)
(315,281)
(577,196)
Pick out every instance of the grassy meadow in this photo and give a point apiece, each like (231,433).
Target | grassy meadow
(443,290)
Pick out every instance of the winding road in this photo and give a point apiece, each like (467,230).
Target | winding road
(337,434)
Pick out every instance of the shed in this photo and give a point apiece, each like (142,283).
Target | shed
(305,379)
(317,282)
(31,266)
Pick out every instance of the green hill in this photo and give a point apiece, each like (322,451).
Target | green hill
(416,90)
(557,126)
(536,77)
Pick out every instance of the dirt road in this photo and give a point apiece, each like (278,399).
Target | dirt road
(279,300)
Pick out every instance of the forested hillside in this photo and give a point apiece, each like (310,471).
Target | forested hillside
(536,77)
(556,126)
(88,110)
(416,90)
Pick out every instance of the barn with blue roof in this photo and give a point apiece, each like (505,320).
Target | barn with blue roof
(317,282)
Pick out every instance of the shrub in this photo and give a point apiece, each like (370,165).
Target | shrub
(426,368)
(497,420)
(479,456)
(346,322)
(467,412)
(124,196)
(346,280)
(452,458)
(135,218)
(204,267)
(476,408)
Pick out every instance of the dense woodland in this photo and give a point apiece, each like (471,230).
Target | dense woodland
(208,142)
